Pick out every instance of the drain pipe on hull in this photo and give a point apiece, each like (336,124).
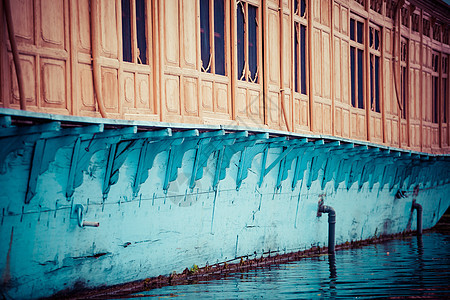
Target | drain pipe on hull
(419,209)
(331,224)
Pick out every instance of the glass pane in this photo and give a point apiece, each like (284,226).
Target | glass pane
(372,83)
(377,84)
(352,29)
(140,25)
(404,92)
(360,80)
(296,60)
(252,42)
(126,31)
(219,36)
(435,99)
(377,39)
(302,8)
(352,73)
(240,40)
(371,37)
(303,57)
(204,34)
(360,32)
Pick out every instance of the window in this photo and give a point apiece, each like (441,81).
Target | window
(376,5)
(247,41)
(435,82)
(404,75)
(300,47)
(375,53)
(426,27)
(415,22)
(357,62)
(405,16)
(212,14)
(437,32)
(134,39)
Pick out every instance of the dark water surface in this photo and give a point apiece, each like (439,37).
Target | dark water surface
(406,268)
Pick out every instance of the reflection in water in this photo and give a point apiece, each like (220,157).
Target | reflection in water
(413,267)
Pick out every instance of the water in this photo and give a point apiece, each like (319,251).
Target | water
(411,267)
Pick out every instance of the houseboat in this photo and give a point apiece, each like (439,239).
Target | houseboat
(142,137)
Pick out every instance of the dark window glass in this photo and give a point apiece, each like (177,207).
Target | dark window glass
(360,79)
(205,34)
(252,42)
(377,84)
(352,29)
(371,37)
(353,78)
(296,60)
(360,32)
(435,99)
(219,37)
(377,39)
(240,40)
(140,25)
(302,7)
(303,58)
(126,31)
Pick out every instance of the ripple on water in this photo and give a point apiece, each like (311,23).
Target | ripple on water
(401,268)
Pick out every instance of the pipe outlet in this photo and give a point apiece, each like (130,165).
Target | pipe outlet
(331,225)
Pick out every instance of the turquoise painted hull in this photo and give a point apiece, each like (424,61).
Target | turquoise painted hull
(167,196)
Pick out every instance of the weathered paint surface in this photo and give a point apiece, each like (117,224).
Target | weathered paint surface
(166,199)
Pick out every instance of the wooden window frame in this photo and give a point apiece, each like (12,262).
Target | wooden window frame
(135,57)
(211,65)
(445,89)
(375,52)
(357,46)
(246,75)
(299,21)
(435,95)
(404,76)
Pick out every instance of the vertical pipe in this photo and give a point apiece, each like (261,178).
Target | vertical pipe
(331,226)
(15,52)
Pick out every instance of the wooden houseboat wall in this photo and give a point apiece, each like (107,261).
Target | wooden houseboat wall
(353,69)
(149,136)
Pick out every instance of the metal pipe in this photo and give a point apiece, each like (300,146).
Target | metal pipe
(331,226)
(90,224)
(15,52)
(419,209)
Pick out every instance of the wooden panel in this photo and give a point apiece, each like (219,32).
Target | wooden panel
(394,132)
(316,11)
(318,117)
(317,63)
(53,83)
(190,33)
(345,72)
(274,108)
(337,17)
(353,124)
(389,131)
(128,88)
(28,66)
(287,64)
(171,32)
(207,96)
(361,126)
(274,48)
(172,94)
(338,121)
(344,20)
(255,103)
(86,84)
(327,119)
(110,89)
(337,69)
(325,12)
(190,96)
(346,123)
(221,97)
(84,36)
(387,41)
(22,17)
(52,19)
(108,28)
(304,108)
(326,66)
(241,101)
(143,95)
